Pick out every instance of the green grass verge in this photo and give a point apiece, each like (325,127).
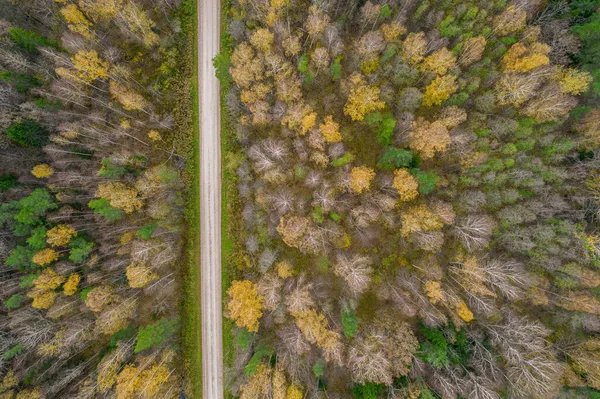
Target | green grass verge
(230,201)
(187,144)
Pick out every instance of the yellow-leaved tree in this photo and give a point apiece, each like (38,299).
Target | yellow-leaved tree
(120,195)
(362,100)
(129,98)
(244,305)
(330,130)
(45,257)
(361,177)
(76,21)
(89,66)
(42,171)
(60,235)
(405,184)
(428,138)
(440,89)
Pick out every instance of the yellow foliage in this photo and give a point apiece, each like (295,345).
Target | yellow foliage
(60,235)
(330,130)
(440,62)
(472,50)
(370,65)
(89,66)
(262,40)
(406,185)
(45,257)
(101,10)
(42,299)
(126,237)
(519,58)
(293,392)
(419,218)
(361,177)
(464,312)
(120,195)
(572,81)
(284,270)
(134,383)
(244,305)
(413,48)
(308,122)
(42,171)
(139,275)
(392,30)
(70,287)
(453,116)
(97,299)
(129,99)
(510,21)
(139,23)
(428,138)
(154,135)
(362,100)
(48,280)
(9,381)
(77,22)
(433,290)
(440,89)
(29,394)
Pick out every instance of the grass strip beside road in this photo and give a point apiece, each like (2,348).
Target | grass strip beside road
(187,116)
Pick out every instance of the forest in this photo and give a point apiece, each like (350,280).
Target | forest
(417,198)
(95,156)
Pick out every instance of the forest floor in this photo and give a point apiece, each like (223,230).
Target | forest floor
(210,199)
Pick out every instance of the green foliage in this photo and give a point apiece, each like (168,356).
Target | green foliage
(319,368)
(156,334)
(20,258)
(80,249)
(8,181)
(22,82)
(27,280)
(111,171)
(336,217)
(38,238)
(303,63)
(84,293)
(124,334)
(13,352)
(386,11)
(145,233)
(27,133)
(434,350)
(438,351)
(386,128)
(222,63)
(350,323)
(102,207)
(244,338)
(343,160)
(29,40)
(31,209)
(336,69)
(14,302)
(395,158)
(427,180)
(370,390)
(426,393)
(323,264)
(261,352)
(48,105)
(317,215)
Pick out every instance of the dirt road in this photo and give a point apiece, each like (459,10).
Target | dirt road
(210,200)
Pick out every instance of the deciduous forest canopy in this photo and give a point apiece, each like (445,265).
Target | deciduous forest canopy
(92,160)
(417,211)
